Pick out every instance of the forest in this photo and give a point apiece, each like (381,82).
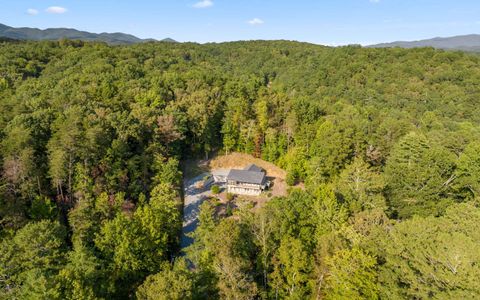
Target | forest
(385,142)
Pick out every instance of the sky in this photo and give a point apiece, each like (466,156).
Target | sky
(328,22)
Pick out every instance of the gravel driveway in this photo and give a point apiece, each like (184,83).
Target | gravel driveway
(193,197)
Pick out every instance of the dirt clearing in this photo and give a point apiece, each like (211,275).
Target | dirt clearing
(240,160)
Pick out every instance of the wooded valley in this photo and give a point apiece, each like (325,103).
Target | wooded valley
(386,143)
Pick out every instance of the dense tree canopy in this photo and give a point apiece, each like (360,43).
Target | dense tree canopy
(384,144)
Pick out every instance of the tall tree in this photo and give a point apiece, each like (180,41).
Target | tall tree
(361,187)
(330,215)
(232,255)
(468,171)
(64,149)
(33,256)
(418,176)
(291,272)
(351,275)
(433,257)
(172,282)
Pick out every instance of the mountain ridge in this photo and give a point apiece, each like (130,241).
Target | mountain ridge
(468,42)
(36,34)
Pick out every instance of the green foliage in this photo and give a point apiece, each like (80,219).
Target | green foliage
(18,165)
(418,176)
(167,172)
(361,187)
(294,216)
(468,171)
(331,149)
(231,261)
(141,242)
(294,161)
(31,260)
(36,285)
(172,282)
(107,206)
(290,276)
(352,275)
(84,220)
(63,148)
(3,84)
(330,215)
(200,252)
(83,277)
(94,135)
(433,257)
(215,189)
(42,208)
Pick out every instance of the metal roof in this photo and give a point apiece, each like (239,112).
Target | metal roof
(220,172)
(246,176)
(253,167)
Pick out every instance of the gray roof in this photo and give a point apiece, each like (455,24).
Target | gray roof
(246,176)
(252,167)
(220,172)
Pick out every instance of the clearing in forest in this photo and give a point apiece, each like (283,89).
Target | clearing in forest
(237,160)
(195,192)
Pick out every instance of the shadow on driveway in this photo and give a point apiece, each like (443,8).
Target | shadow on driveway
(193,197)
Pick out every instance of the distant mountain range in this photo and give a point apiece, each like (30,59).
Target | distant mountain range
(462,42)
(26,33)
(469,42)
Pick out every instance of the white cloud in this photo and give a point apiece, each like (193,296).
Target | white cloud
(56,10)
(255,21)
(203,4)
(32,11)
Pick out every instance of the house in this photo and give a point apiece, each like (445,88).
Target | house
(249,181)
(220,175)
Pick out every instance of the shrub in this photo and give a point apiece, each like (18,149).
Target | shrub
(230,196)
(215,189)
(291,178)
(229,211)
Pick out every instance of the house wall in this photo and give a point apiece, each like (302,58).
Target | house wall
(220,178)
(241,190)
(244,185)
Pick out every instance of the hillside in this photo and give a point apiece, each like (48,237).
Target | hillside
(384,143)
(462,42)
(35,34)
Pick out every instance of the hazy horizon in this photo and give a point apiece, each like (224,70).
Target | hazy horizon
(330,22)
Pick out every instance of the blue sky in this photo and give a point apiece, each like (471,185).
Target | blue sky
(331,22)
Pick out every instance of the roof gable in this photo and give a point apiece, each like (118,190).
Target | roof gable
(254,168)
(246,176)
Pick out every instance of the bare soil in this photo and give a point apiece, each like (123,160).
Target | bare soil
(240,160)
(237,160)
